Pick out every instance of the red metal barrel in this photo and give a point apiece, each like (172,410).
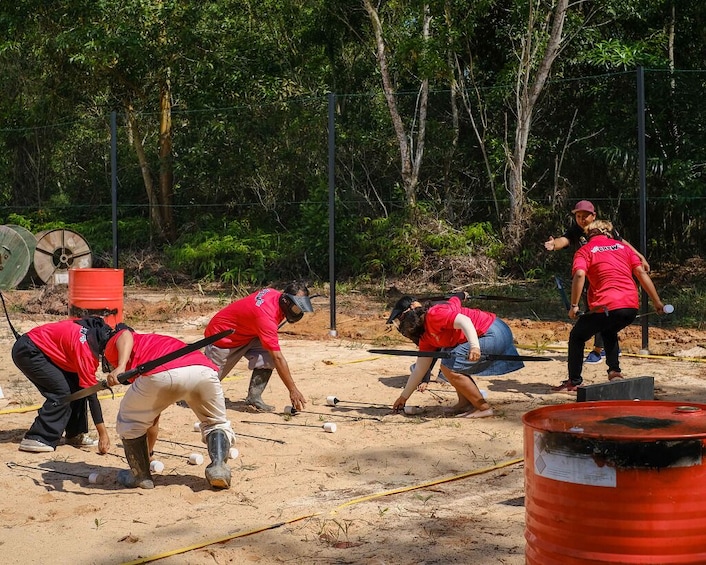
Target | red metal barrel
(96,292)
(619,482)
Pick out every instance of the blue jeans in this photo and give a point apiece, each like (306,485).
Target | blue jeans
(497,340)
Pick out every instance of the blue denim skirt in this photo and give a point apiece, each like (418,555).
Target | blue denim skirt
(497,340)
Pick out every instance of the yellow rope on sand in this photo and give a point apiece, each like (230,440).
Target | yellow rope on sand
(299,518)
(624,354)
(352,362)
(430,483)
(219,540)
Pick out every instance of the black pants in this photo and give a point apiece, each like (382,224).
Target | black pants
(598,338)
(54,383)
(588,325)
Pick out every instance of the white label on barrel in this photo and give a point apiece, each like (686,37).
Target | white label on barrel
(570,467)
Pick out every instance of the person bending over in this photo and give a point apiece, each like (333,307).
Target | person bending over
(191,378)
(255,320)
(466,333)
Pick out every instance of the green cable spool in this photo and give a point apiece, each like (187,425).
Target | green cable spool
(31,241)
(15,258)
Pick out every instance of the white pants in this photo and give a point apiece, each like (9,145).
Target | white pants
(149,395)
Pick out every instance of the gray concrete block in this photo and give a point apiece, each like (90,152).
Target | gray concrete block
(638,388)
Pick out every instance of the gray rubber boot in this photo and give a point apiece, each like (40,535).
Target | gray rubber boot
(217,472)
(138,475)
(258,382)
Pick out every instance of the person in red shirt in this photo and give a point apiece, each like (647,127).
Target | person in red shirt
(60,358)
(613,299)
(256,319)
(191,378)
(466,332)
(584,213)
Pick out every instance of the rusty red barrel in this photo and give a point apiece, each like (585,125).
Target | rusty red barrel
(619,482)
(96,292)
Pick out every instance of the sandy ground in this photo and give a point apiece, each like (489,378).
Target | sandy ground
(383,488)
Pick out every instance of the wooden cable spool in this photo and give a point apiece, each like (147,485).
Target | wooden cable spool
(57,251)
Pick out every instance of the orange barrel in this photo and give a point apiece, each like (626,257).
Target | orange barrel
(96,292)
(619,482)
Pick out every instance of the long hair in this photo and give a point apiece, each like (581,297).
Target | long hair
(412,323)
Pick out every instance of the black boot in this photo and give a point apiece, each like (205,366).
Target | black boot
(138,458)
(258,382)
(217,472)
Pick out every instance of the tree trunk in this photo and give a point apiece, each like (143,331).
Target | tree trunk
(410,165)
(152,195)
(529,86)
(166,164)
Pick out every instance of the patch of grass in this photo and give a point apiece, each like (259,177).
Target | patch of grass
(99,523)
(330,531)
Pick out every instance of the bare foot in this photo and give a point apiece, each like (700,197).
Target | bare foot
(458,408)
(477,413)
(614,375)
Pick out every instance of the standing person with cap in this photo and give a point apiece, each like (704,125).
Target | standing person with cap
(611,268)
(584,213)
(466,332)
(60,358)
(191,378)
(255,320)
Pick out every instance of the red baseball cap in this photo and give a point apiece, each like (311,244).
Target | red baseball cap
(584,206)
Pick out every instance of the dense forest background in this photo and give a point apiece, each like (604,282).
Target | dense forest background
(464,130)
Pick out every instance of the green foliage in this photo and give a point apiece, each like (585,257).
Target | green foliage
(133,234)
(397,244)
(238,255)
(388,246)
(481,238)
(18,220)
(615,54)
(249,132)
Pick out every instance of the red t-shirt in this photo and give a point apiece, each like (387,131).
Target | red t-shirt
(609,265)
(148,347)
(257,315)
(65,344)
(439,328)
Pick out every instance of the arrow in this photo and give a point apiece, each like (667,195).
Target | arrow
(450,354)
(123,378)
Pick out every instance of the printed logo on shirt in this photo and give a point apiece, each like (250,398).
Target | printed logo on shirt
(602,248)
(260,298)
(84,335)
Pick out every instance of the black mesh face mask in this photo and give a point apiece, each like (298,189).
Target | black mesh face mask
(294,307)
